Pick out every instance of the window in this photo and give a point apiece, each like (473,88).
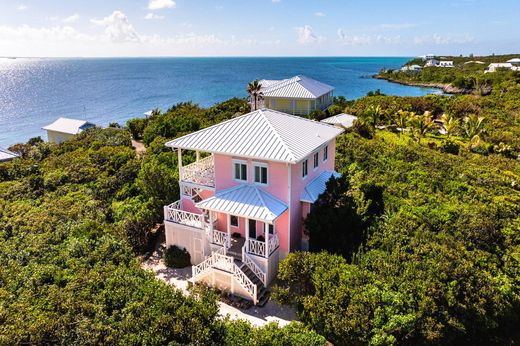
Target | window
(316,160)
(271,229)
(240,170)
(252,228)
(234,220)
(260,170)
(325,153)
(305,168)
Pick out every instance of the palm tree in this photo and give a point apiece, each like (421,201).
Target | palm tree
(401,120)
(473,126)
(255,95)
(450,124)
(421,124)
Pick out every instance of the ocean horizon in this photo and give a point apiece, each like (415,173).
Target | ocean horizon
(36,91)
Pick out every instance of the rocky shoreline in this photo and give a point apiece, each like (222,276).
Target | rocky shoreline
(446,88)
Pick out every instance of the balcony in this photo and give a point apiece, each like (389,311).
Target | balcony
(200,173)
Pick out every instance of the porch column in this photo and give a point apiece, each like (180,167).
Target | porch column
(197,155)
(228,230)
(247,234)
(211,216)
(179,156)
(266,234)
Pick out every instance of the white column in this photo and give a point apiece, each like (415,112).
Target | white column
(179,156)
(211,216)
(266,234)
(197,155)
(247,234)
(228,230)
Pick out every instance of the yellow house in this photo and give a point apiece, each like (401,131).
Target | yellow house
(65,128)
(299,95)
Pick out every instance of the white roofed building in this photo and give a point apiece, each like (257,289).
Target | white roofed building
(66,128)
(299,95)
(494,67)
(244,199)
(514,61)
(342,120)
(6,155)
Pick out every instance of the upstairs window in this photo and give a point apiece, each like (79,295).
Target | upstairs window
(234,220)
(316,160)
(240,170)
(260,173)
(305,168)
(325,153)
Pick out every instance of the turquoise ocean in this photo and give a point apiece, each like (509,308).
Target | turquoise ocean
(34,92)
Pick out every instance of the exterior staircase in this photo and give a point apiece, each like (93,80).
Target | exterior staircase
(263,292)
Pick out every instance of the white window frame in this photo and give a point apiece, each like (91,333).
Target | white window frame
(261,165)
(305,168)
(240,162)
(325,153)
(315,160)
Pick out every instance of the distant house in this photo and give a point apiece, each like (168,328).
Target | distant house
(427,57)
(514,62)
(412,68)
(341,120)
(445,63)
(65,128)
(6,155)
(299,95)
(431,63)
(499,65)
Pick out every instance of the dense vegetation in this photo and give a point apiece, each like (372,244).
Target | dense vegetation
(74,216)
(419,241)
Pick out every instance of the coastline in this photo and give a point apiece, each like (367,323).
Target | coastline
(446,88)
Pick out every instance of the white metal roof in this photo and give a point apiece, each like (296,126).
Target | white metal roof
(70,126)
(247,201)
(343,119)
(6,155)
(316,187)
(264,134)
(514,61)
(296,87)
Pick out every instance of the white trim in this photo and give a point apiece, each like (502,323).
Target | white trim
(289,180)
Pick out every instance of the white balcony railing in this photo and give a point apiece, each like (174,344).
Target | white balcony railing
(201,172)
(173,213)
(258,248)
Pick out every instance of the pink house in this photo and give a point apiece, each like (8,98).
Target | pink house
(244,200)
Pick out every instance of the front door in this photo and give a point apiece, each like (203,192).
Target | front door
(252,229)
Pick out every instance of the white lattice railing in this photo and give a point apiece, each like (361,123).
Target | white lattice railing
(248,261)
(220,238)
(201,172)
(173,213)
(220,261)
(256,247)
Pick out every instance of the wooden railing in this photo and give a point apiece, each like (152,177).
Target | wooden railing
(220,261)
(256,247)
(248,261)
(173,213)
(201,172)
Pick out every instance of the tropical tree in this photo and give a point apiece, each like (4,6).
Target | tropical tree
(450,124)
(255,95)
(370,118)
(400,119)
(420,125)
(472,127)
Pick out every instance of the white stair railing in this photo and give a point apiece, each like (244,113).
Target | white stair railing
(248,261)
(256,247)
(220,238)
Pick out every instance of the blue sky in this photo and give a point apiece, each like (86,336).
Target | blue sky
(257,27)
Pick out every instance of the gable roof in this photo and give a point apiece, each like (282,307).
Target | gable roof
(264,134)
(296,87)
(316,187)
(70,126)
(247,201)
(6,155)
(343,119)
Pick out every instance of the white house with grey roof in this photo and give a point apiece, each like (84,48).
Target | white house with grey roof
(65,128)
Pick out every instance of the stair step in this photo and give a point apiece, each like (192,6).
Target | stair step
(263,299)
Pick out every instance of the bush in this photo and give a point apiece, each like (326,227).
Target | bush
(136,127)
(175,257)
(450,147)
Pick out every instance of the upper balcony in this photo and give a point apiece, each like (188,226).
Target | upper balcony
(201,172)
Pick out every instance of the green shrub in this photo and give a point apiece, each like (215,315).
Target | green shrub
(136,127)
(175,257)
(450,147)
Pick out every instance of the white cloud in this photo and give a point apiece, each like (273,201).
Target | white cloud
(320,14)
(151,15)
(71,19)
(443,40)
(160,4)
(118,28)
(364,39)
(306,35)
(22,7)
